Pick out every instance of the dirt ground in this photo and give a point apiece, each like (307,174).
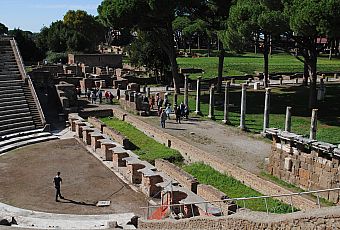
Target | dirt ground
(26,181)
(228,143)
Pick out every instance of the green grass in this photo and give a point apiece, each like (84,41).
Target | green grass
(281,97)
(235,189)
(147,148)
(236,65)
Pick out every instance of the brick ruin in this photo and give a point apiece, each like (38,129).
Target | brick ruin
(306,163)
(163,181)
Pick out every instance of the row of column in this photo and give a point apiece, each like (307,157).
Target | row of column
(225,120)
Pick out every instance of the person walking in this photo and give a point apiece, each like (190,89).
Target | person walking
(163,118)
(100,96)
(57,181)
(93,97)
(178,114)
(168,111)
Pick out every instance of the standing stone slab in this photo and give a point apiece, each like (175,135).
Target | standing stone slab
(266,110)
(226,103)
(313,124)
(243,107)
(212,102)
(198,96)
(186,94)
(288,122)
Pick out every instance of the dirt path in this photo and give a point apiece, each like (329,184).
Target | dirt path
(226,142)
(26,181)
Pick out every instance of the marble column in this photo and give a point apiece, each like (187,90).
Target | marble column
(266,110)
(288,122)
(211,102)
(243,107)
(198,96)
(226,103)
(313,124)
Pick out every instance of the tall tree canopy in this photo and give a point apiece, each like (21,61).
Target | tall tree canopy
(149,16)
(308,20)
(251,20)
(3,29)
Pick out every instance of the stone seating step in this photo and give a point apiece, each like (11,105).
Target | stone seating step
(13,140)
(13,102)
(16,130)
(10,77)
(10,86)
(3,128)
(21,133)
(13,95)
(32,140)
(12,120)
(12,107)
(14,115)
(14,111)
(10,99)
(10,91)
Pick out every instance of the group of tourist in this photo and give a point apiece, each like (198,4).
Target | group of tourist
(164,112)
(97,93)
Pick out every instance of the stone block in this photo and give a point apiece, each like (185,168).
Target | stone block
(86,135)
(95,137)
(288,164)
(105,147)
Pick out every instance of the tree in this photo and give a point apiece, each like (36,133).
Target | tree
(144,51)
(308,20)
(151,16)
(251,18)
(27,46)
(3,29)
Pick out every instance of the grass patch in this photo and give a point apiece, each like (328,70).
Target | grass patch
(147,148)
(235,189)
(248,63)
(281,97)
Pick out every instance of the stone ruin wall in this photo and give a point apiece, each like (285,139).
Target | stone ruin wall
(305,165)
(117,136)
(325,218)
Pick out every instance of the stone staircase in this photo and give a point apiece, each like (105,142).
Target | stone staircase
(19,112)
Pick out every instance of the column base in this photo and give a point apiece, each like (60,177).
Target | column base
(227,122)
(198,112)
(211,117)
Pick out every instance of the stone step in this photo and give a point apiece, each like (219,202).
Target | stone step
(23,138)
(16,130)
(13,95)
(10,86)
(14,115)
(10,91)
(12,107)
(21,133)
(12,120)
(10,77)
(12,103)
(5,127)
(12,82)
(13,111)
(26,142)
(9,99)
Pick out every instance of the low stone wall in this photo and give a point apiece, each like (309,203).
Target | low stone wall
(96,123)
(117,136)
(325,218)
(96,113)
(208,192)
(178,174)
(308,164)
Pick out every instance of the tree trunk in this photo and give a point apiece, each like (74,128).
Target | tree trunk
(305,73)
(256,43)
(220,68)
(208,46)
(330,50)
(311,62)
(198,42)
(174,69)
(266,59)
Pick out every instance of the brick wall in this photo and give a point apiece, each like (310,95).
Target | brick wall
(96,123)
(184,178)
(117,136)
(309,171)
(325,218)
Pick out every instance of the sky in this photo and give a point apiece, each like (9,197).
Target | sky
(32,15)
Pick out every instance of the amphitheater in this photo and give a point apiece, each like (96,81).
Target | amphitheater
(107,186)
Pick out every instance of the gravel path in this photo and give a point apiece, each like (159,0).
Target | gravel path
(229,143)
